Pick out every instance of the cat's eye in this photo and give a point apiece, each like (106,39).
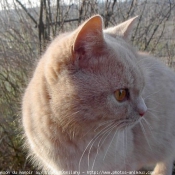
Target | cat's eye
(121,94)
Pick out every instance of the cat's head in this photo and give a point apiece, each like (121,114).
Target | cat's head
(93,76)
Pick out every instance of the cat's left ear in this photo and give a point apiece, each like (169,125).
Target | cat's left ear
(122,29)
(88,37)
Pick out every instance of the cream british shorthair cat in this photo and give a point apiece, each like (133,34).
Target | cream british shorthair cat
(96,105)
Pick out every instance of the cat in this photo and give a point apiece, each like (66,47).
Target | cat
(95,104)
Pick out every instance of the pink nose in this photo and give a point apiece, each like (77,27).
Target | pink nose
(141,107)
(141,114)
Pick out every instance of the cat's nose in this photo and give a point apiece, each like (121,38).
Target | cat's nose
(141,114)
(141,107)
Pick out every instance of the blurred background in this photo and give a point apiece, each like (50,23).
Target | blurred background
(28,26)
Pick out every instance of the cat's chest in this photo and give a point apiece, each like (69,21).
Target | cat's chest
(107,151)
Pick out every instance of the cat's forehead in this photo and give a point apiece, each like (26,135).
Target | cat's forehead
(114,61)
(123,63)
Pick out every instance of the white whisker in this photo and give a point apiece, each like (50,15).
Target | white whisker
(116,147)
(144,133)
(151,112)
(148,124)
(110,144)
(150,128)
(124,149)
(150,99)
(87,132)
(108,133)
(102,134)
(152,94)
(103,123)
(153,109)
(95,137)
(126,141)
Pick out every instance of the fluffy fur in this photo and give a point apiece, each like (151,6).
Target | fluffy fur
(72,119)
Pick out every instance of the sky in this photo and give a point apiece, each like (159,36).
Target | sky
(10,2)
(33,3)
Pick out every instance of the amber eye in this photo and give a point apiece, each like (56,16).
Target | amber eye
(121,95)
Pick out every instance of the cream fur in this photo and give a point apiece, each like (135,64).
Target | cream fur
(71,118)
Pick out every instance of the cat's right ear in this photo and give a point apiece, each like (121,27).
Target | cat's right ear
(88,37)
(124,29)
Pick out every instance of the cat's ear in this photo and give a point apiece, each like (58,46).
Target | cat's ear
(88,36)
(122,29)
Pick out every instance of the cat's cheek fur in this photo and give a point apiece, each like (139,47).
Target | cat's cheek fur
(117,108)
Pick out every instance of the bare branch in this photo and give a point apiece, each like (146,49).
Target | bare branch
(24,8)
